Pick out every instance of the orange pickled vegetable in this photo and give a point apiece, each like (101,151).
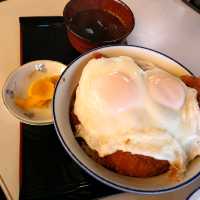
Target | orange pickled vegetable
(40,93)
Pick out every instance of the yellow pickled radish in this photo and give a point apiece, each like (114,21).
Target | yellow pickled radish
(41,89)
(26,103)
(31,102)
(54,79)
(40,93)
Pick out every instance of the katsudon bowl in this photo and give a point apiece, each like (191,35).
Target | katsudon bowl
(61,113)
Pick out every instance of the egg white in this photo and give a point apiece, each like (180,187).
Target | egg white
(148,128)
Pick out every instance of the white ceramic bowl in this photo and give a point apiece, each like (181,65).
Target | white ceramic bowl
(17,84)
(61,102)
(195,195)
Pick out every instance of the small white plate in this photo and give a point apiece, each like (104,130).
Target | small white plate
(17,84)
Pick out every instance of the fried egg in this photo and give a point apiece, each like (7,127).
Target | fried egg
(151,112)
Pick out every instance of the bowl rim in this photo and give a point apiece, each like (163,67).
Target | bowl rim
(105,42)
(15,114)
(192,193)
(92,172)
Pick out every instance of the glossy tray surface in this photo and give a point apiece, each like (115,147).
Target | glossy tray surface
(47,171)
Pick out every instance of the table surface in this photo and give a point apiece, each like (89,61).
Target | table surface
(167,26)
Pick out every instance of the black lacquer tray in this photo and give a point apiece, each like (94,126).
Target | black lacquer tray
(47,172)
(194,4)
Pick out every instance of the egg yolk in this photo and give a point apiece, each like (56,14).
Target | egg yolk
(166,90)
(117,91)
